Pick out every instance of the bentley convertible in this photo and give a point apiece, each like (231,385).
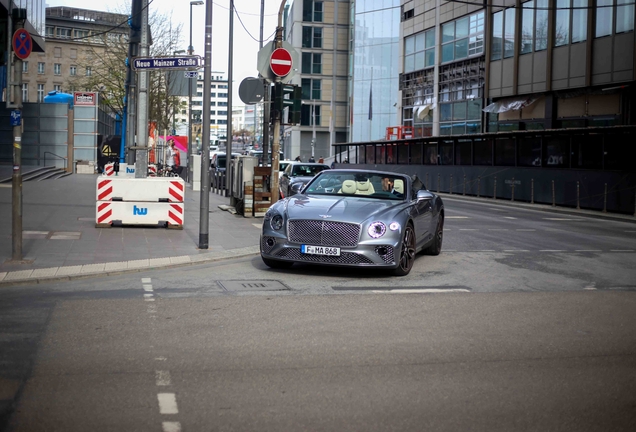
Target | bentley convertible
(354,218)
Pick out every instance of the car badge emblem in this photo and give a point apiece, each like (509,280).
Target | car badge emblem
(325,216)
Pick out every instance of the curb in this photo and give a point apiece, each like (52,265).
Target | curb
(68,273)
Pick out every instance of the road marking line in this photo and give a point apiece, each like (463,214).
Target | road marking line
(509,217)
(621,250)
(259,226)
(171,426)
(162,378)
(161,358)
(457,217)
(497,229)
(562,219)
(588,250)
(147,288)
(551,250)
(526,230)
(145,280)
(590,288)
(167,403)
(450,250)
(468,229)
(485,250)
(516,250)
(419,291)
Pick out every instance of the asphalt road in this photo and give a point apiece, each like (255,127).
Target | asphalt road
(525,322)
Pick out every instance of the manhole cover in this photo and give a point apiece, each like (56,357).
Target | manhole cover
(253,285)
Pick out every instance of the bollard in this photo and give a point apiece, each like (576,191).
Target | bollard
(553,195)
(494,192)
(531,191)
(512,198)
(464,184)
(451,185)
(605,200)
(438,176)
(478,185)
(578,195)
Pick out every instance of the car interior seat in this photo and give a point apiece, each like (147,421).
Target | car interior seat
(348,187)
(364,188)
(398,186)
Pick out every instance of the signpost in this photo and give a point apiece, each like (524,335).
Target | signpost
(165,63)
(280,62)
(22,44)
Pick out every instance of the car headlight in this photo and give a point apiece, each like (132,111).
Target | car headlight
(376,230)
(277,222)
(394,226)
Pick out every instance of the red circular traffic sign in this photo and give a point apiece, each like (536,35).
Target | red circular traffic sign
(280,62)
(22,44)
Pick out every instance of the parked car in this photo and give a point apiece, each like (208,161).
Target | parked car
(218,159)
(259,155)
(354,218)
(296,175)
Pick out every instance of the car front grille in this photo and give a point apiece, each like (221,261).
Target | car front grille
(344,258)
(388,257)
(265,247)
(323,233)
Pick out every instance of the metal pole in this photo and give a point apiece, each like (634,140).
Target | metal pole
(204,213)
(16,178)
(230,133)
(276,144)
(190,52)
(578,195)
(313,123)
(131,80)
(141,159)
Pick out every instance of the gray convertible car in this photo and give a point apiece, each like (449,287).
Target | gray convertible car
(354,218)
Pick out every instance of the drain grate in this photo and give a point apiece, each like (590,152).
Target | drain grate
(253,285)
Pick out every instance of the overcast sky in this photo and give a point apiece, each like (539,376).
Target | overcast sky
(245,46)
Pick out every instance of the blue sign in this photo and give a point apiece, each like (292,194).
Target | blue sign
(152,63)
(141,211)
(191,74)
(16,118)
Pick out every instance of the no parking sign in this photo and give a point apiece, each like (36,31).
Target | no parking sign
(22,44)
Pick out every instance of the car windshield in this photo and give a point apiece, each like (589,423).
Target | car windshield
(368,185)
(307,170)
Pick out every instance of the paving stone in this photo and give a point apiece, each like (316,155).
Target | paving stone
(138,263)
(116,266)
(45,272)
(180,259)
(17,275)
(2,275)
(154,262)
(93,268)
(69,270)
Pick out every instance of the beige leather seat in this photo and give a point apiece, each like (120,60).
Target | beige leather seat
(348,187)
(398,186)
(364,188)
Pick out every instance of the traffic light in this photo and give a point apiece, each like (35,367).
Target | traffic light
(287,96)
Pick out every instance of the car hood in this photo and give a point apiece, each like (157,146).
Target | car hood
(341,209)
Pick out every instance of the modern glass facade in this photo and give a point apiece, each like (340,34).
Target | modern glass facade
(375,70)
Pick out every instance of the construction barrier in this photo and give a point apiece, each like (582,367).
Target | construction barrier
(143,201)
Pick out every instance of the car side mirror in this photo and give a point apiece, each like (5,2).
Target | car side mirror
(424,195)
(285,175)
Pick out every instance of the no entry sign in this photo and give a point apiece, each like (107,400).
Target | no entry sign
(280,62)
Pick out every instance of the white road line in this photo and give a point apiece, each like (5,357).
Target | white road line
(145,280)
(450,250)
(485,250)
(147,287)
(457,217)
(621,250)
(162,378)
(259,226)
(167,403)
(526,230)
(161,358)
(562,219)
(497,229)
(588,250)
(509,217)
(551,250)
(516,250)
(590,288)
(171,426)
(468,229)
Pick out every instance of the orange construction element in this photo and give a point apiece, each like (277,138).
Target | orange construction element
(399,132)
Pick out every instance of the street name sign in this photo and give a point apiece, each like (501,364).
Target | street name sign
(164,63)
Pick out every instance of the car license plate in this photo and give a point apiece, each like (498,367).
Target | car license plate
(320,250)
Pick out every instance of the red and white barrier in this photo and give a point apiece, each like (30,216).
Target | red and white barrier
(139,213)
(151,189)
(125,170)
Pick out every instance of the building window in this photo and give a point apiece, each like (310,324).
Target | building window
(312,11)
(89,71)
(57,69)
(419,51)
(624,16)
(73,53)
(40,93)
(63,33)
(80,34)
(310,115)
(222,86)
(25,67)
(311,63)
(222,113)
(73,70)
(50,31)
(57,52)
(222,104)
(41,67)
(312,37)
(311,88)
(223,95)
(571,23)
(222,122)
(57,88)
(605,21)
(25,92)
(534,26)
(463,38)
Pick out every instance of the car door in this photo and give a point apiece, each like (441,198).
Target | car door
(423,218)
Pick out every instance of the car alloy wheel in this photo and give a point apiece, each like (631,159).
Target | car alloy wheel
(436,247)
(407,253)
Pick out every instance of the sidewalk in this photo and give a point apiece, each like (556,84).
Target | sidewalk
(60,240)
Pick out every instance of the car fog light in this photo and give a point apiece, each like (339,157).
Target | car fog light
(270,242)
(394,226)
(277,222)
(376,230)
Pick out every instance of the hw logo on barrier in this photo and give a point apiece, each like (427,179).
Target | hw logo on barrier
(141,211)
(130,170)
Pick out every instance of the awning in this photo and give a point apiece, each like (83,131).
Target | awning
(422,111)
(510,104)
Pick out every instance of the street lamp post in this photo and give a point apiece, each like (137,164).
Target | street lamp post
(170,74)
(313,132)
(190,52)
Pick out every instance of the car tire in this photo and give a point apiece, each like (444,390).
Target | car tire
(407,253)
(275,264)
(436,247)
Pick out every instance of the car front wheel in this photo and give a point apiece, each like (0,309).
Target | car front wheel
(436,247)
(407,253)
